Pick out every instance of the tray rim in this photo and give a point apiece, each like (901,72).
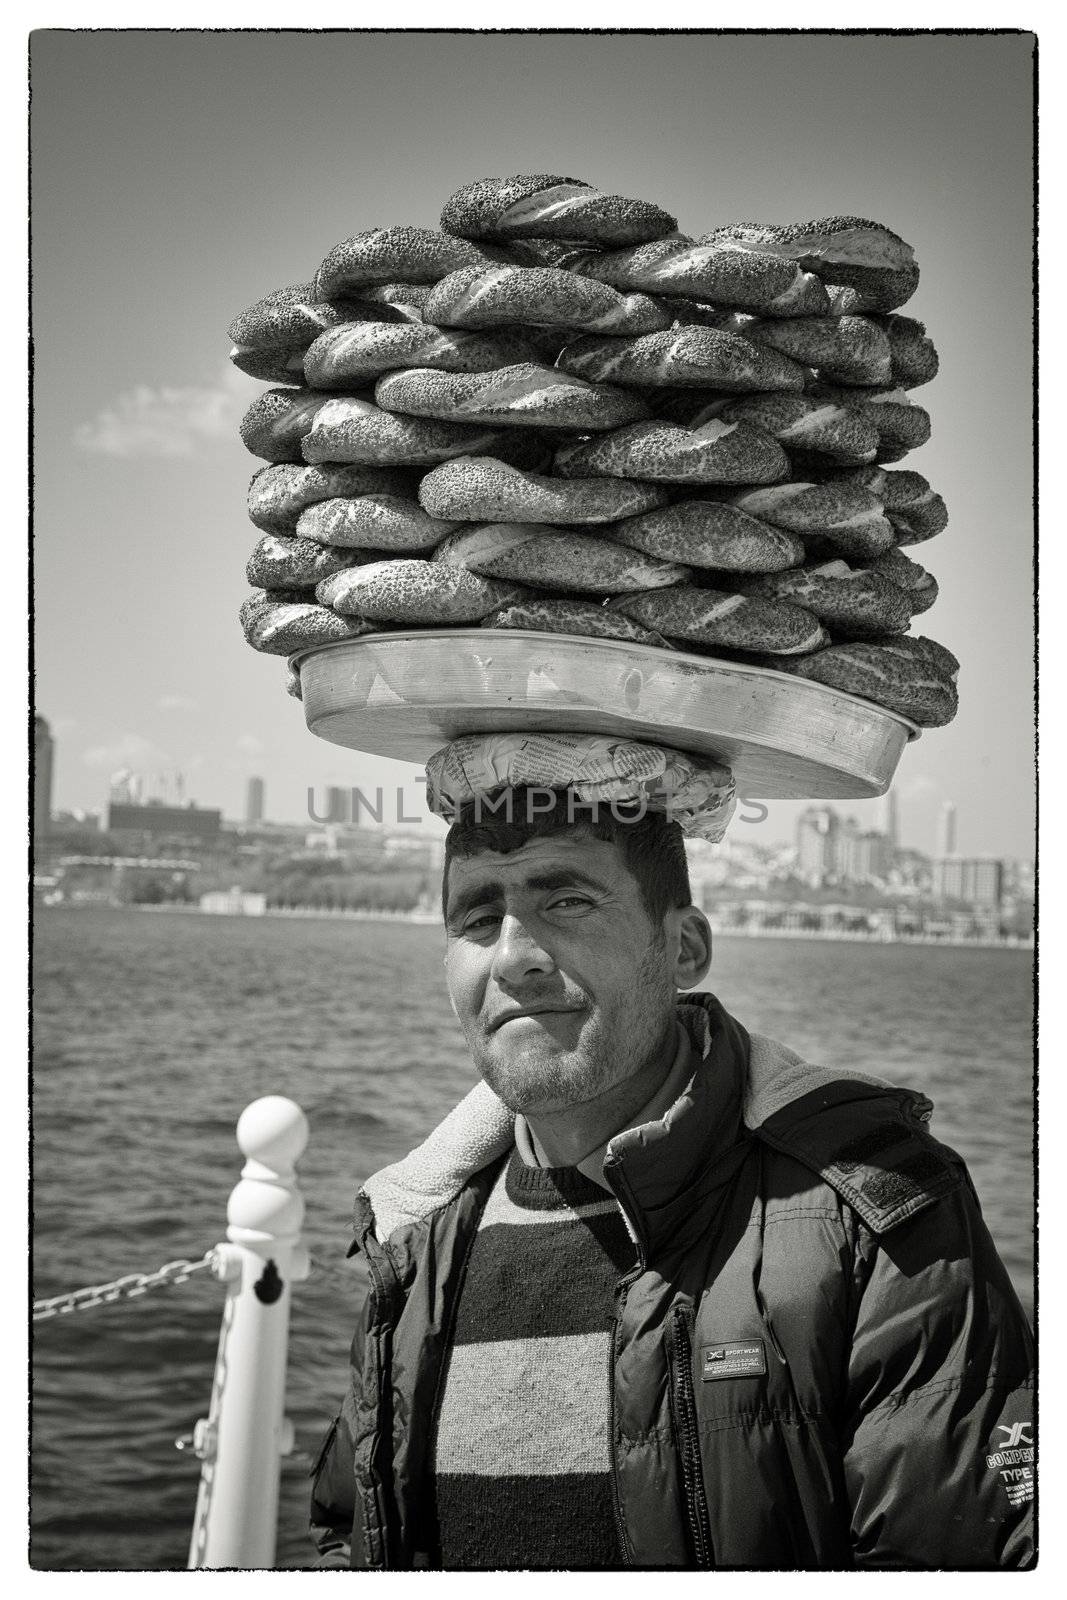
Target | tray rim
(628,646)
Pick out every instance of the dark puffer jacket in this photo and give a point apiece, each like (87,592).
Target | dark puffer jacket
(819,1360)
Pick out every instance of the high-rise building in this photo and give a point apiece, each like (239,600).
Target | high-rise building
(946,831)
(44,749)
(891,818)
(976,880)
(870,858)
(842,863)
(254,800)
(817,830)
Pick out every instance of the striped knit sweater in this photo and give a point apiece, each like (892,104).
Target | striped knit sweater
(522,1451)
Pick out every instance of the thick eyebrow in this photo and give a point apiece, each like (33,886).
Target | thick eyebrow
(480,894)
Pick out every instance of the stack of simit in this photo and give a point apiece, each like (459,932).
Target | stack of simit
(561,414)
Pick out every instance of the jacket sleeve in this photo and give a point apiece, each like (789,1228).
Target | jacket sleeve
(938,1427)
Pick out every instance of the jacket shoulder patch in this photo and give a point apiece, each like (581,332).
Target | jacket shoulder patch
(868,1145)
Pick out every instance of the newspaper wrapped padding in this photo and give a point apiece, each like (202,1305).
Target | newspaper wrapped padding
(693,791)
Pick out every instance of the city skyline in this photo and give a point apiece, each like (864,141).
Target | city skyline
(329,804)
(181,201)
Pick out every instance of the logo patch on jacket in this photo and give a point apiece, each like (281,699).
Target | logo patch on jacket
(1012,1457)
(746,1358)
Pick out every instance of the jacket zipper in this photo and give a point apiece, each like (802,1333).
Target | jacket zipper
(681,1357)
(622,1289)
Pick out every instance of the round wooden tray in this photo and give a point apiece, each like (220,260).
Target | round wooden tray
(406,694)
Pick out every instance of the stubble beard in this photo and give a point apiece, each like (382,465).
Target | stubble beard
(534,1076)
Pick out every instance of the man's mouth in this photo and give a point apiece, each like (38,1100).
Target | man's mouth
(516,1013)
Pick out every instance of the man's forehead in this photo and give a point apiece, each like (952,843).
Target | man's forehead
(577,854)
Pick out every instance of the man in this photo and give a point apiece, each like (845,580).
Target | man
(658,1293)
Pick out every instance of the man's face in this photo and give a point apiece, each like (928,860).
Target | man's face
(561,983)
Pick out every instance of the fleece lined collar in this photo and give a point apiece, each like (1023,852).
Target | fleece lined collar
(742,1081)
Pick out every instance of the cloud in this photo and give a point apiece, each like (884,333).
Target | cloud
(919,787)
(167,422)
(177,702)
(249,745)
(129,750)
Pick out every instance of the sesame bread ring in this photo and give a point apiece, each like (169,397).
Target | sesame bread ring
(853,603)
(584,617)
(290,318)
(514,396)
(844,349)
(416,592)
(541,205)
(916,511)
(851,252)
(353,429)
(901,425)
(556,559)
(884,292)
(501,296)
(717,452)
(378,522)
(277,495)
(913,354)
(702,358)
(392,255)
(479,489)
(892,675)
(274,335)
(271,366)
(280,627)
(726,277)
(919,586)
(280,562)
(850,516)
(707,533)
(359,352)
(801,422)
(708,616)
(292,682)
(277,421)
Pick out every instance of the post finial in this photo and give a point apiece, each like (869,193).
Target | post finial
(273,1131)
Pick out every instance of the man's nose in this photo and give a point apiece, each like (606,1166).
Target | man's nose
(518,953)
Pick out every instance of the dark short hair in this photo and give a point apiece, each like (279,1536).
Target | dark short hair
(652,844)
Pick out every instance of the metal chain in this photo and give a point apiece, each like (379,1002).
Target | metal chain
(135,1284)
(130,1287)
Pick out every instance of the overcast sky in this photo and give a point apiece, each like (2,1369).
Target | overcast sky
(177,177)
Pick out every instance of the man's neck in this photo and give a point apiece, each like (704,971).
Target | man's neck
(564,1138)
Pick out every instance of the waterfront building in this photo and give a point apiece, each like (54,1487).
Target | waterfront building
(159,821)
(976,880)
(870,858)
(44,748)
(254,801)
(234,902)
(946,831)
(817,830)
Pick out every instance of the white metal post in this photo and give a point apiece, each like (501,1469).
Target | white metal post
(246,1433)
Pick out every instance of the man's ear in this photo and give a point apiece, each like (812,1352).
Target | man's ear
(692,945)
